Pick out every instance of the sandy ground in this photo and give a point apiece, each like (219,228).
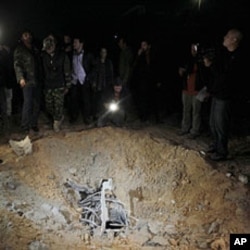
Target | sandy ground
(174,196)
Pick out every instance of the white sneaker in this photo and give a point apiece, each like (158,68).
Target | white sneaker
(56,126)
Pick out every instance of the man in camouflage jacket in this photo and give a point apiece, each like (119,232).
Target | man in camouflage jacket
(57,79)
(28,74)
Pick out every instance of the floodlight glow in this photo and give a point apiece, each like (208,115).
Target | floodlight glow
(113,106)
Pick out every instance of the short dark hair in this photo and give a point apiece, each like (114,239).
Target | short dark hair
(210,54)
(80,38)
(118,81)
(26,30)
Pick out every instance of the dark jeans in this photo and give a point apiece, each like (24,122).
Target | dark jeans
(220,122)
(31,106)
(3,104)
(80,101)
(142,96)
(97,103)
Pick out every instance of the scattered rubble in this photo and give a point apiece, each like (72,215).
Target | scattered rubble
(101,209)
(144,189)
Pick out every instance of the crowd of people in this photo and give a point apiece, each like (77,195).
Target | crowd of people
(65,79)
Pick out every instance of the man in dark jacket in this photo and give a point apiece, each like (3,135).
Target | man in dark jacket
(125,64)
(103,80)
(27,69)
(83,66)
(228,86)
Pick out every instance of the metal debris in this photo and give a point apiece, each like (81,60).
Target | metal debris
(100,208)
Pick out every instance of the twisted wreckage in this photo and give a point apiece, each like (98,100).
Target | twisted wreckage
(101,209)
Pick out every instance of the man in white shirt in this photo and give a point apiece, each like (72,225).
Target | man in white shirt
(82,77)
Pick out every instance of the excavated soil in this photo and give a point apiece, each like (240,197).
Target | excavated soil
(175,198)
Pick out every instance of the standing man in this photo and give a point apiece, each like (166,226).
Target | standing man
(142,83)
(191,85)
(67,46)
(27,69)
(103,80)
(57,79)
(227,90)
(126,60)
(83,66)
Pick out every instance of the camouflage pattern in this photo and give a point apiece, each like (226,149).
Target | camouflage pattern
(54,99)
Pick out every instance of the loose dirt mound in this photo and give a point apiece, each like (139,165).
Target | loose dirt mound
(174,198)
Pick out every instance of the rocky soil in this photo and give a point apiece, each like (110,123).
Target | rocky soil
(174,196)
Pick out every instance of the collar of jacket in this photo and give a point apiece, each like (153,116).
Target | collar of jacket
(78,53)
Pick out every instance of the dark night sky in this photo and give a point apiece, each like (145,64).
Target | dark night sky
(97,20)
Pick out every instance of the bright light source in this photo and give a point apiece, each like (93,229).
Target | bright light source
(113,106)
(199,4)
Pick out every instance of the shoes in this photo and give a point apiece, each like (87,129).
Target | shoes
(87,121)
(56,126)
(210,150)
(61,121)
(181,133)
(24,130)
(35,129)
(192,136)
(218,157)
(72,120)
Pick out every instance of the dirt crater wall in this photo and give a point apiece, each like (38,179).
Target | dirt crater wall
(176,200)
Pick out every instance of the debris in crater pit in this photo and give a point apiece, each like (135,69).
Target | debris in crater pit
(101,209)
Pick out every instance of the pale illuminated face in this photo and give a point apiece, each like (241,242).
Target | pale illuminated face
(207,62)
(118,88)
(229,39)
(194,49)
(103,53)
(145,46)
